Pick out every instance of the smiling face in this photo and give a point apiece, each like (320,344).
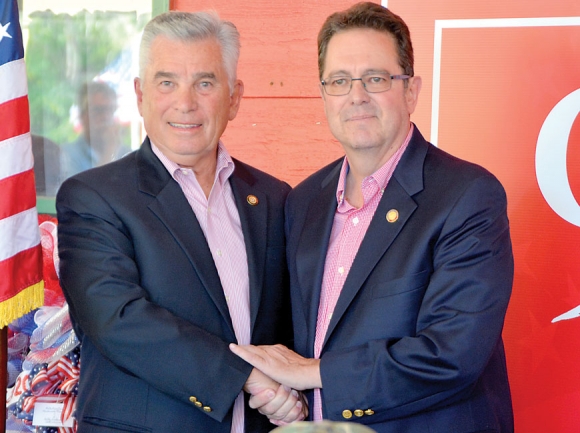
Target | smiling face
(373,124)
(185,100)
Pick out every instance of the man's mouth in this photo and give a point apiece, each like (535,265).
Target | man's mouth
(361,117)
(185,125)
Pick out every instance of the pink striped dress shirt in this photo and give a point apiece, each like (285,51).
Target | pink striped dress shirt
(348,230)
(220,221)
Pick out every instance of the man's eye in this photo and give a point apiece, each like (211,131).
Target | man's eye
(376,79)
(204,86)
(166,83)
(339,82)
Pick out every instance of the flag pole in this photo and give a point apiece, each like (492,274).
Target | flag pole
(3,375)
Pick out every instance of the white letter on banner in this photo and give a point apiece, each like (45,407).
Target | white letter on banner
(551,158)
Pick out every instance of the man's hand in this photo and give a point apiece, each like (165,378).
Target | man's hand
(279,403)
(282,365)
(293,407)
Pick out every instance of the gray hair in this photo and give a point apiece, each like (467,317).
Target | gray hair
(193,26)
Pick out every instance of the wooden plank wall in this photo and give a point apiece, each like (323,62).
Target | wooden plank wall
(281,127)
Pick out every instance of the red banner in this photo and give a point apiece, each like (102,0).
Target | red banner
(503,90)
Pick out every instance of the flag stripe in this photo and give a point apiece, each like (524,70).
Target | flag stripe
(16,156)
(20,124)
(15,74)
(17,186)
(22,229)
(21,285)
(19,272)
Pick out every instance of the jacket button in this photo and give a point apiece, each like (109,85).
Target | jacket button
(198,404)
(192,399)
(359,413)
(346,414)
(369,412)
(207,409)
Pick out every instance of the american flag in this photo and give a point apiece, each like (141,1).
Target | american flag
(21,284)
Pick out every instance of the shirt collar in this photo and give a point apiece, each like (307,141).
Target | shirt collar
(224,164)
(381,176)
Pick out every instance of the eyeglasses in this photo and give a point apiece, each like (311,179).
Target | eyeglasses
(373,83)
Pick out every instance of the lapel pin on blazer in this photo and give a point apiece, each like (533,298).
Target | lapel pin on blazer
(252,200)
(392,215)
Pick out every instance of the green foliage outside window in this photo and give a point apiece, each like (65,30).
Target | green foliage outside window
(63,51)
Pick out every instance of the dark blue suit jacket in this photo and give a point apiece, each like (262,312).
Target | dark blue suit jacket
(414,344)
(146,299)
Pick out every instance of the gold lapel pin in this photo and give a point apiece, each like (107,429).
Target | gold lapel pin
(392,215)
(252,200)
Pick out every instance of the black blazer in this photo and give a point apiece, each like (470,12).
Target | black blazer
(146,299)
(414,344)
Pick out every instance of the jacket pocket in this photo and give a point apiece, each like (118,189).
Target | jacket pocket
(404,284)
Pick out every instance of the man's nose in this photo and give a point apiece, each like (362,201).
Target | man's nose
(187,99)
(358,91)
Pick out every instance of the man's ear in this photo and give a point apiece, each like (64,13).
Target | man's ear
(236,98)
(322,92)
(412,93)
(138,92)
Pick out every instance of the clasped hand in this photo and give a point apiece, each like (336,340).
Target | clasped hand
(282,366)
(281,404)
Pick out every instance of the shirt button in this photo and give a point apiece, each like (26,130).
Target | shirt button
(219,253)
(341,270)
(355,221)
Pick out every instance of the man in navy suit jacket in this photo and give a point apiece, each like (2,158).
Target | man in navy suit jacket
(399,254)
(174,251)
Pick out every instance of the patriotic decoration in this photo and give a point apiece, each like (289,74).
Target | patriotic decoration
(44,355)
(21,285)
(56,382)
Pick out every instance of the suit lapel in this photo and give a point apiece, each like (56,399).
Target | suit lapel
(312,248)
(254,220)
(406,181)
(174,211)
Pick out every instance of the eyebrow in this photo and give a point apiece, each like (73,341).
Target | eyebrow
(163,74)
(201,75)
(343,73)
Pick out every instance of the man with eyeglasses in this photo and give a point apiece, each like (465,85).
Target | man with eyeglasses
(399,254)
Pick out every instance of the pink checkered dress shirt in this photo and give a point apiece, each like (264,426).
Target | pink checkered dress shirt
(220,221)
(348,230)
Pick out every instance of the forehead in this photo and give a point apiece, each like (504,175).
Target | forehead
(361,49)
(170,55)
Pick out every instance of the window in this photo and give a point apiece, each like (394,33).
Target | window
(81,58)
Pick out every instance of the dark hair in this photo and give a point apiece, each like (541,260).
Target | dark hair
(91,88)
(367,15)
